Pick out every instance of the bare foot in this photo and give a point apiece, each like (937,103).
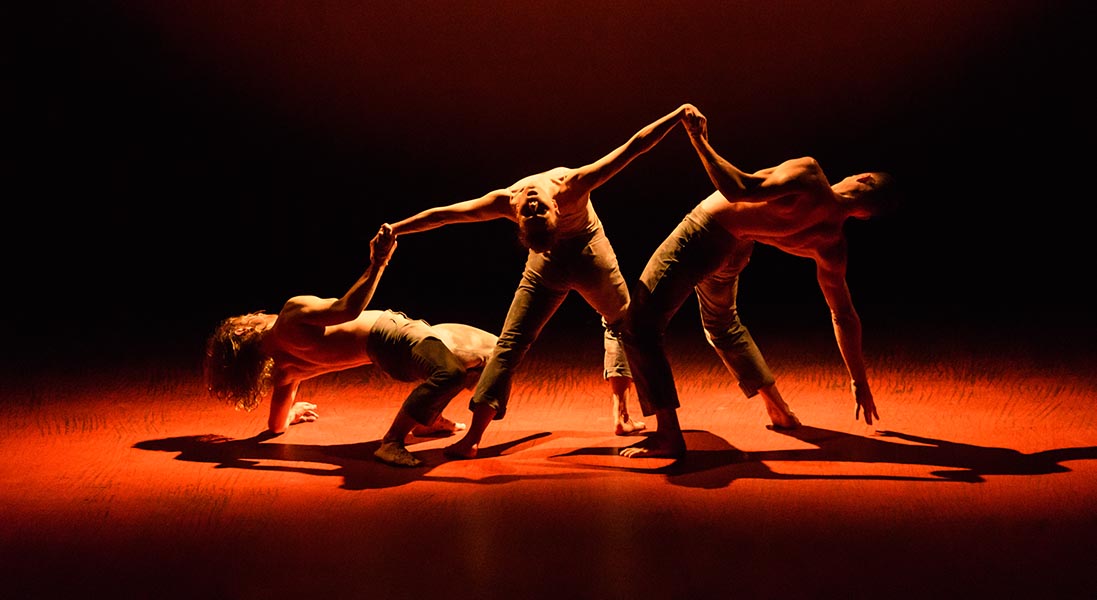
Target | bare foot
(395,454)
(462,449)
(441,427)
(782,419)
(656,446)
(627,426)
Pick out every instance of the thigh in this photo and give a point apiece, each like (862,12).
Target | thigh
(685,258)
(430,355)
(718,291)
(597,277)
(533,305)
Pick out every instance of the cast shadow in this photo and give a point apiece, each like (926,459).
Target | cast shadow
(711,462)
(354,463)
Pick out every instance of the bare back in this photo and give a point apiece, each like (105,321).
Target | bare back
(303,350)
(790,207)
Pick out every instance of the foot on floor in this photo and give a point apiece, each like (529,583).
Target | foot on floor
(395,454)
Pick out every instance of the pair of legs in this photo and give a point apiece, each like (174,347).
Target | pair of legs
(407,351)
(698,257)
(588,265)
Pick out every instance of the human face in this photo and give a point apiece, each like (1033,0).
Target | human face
(253,322)
(534,202)
(537,217)
(857,184)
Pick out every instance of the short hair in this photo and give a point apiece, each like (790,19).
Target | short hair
(537,232)
(885,198)
(236,369)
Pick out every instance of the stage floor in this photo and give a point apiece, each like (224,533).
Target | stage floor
(124,480)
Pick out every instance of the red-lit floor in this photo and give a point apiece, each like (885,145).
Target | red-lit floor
(979,481)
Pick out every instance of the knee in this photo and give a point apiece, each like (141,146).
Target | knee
(451,376)
(726,329)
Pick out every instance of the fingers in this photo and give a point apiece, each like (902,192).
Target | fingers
(694,121)
(870,413)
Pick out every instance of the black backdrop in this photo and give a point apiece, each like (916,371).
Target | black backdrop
(180,162)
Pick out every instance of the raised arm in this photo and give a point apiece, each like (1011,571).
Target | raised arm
(830,269)
(735,185)
(311,310)
(590,176)
(493,205)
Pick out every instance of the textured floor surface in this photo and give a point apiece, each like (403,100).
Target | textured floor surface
(125,481)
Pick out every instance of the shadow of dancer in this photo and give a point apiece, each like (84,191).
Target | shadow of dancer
(967,463)
(355,462)
(712,462)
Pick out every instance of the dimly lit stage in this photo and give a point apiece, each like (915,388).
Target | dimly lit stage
(124,480)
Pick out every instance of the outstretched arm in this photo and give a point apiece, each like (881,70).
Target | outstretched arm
(831,272)
(319,312)
(310,310)
(735,185)
(588,177)
(493,205)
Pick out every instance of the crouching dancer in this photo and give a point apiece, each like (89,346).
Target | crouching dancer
(251,355)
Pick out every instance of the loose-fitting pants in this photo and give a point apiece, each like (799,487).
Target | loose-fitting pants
(584,263)
(701,257)
(407,350)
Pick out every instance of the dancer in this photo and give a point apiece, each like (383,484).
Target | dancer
(248,356)
(568,250)
(791,207)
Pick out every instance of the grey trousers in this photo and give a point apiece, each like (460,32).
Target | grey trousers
(701,257)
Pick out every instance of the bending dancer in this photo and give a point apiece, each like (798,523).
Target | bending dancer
(791,207)
(568,250)
(249,355)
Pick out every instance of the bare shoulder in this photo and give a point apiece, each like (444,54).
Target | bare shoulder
(306,304)
(298,304)
(802,173)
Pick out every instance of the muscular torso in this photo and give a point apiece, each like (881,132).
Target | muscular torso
(576,211)
(302,351)
(799,213)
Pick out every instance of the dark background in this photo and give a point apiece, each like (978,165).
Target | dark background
(178,162)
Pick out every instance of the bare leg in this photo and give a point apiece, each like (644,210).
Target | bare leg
(779,412)
(392,450)
(666,442)
(469,445)
(623,425)
(441,427)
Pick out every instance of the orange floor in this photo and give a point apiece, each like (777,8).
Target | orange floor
(979,481)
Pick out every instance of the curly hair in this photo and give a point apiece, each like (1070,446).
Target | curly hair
(236,369)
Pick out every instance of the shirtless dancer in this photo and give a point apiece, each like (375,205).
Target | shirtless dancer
(248,355)
(568,250)
(791,207)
